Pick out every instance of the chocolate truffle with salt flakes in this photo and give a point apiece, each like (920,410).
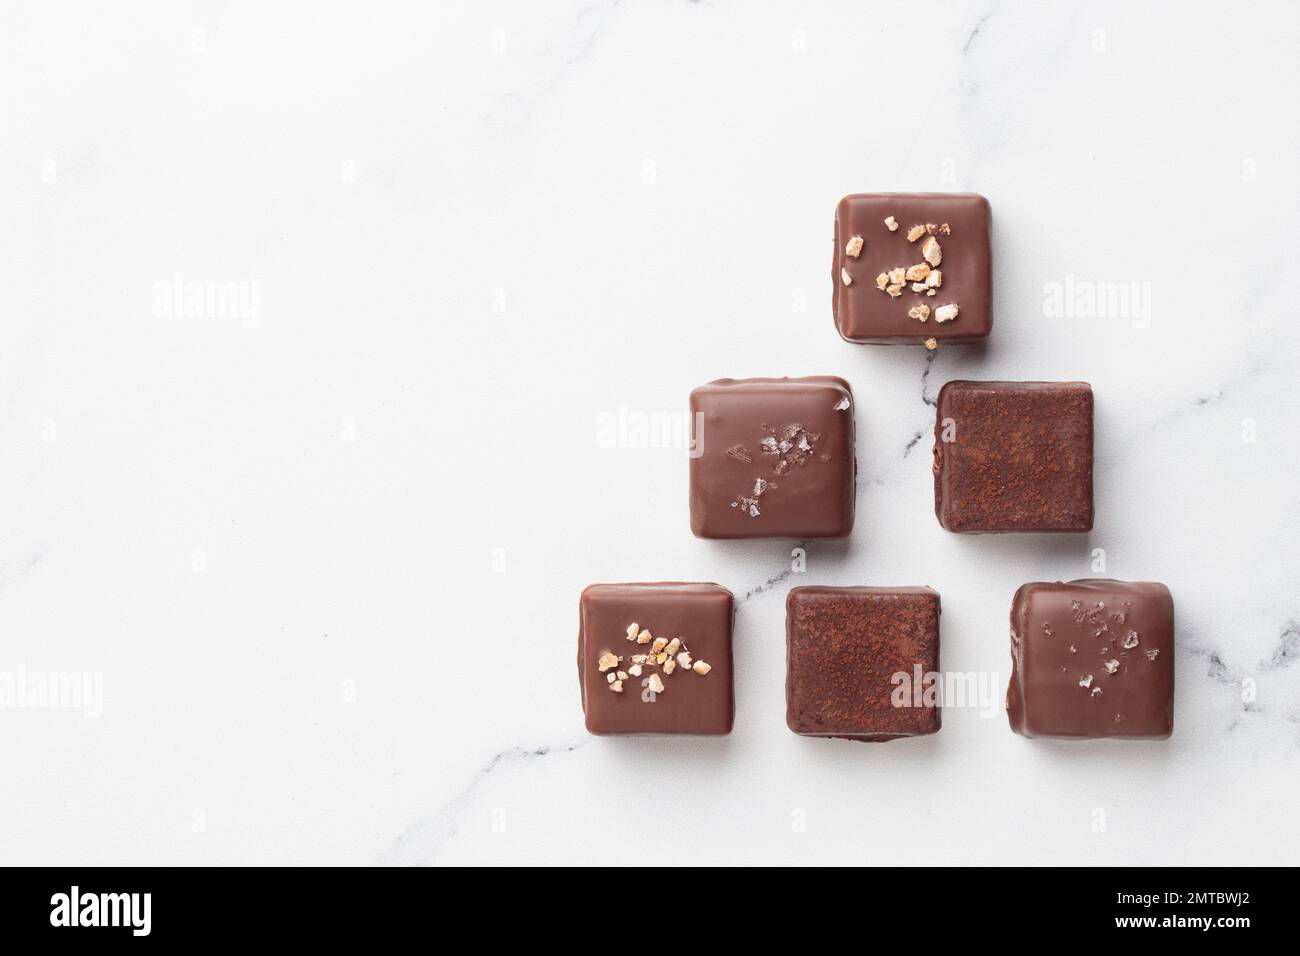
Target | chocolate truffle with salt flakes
(773,458)
(912,268)
(862,663)
(656,658)
(1013,456)
(1092,658)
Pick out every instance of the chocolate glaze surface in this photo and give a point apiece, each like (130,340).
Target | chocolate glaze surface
(700,614)
(844,647)
(864,314)
(1020,458)
(775,458)
(1092,658)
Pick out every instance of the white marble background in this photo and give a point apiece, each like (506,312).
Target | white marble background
(324,551)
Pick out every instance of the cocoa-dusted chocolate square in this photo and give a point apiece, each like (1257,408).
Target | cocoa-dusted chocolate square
(1092,658)
(1013,456)
(656,658)
(862,663)
(912,268)
(773,458)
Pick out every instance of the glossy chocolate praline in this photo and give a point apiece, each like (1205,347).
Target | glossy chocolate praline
(1092,658)
(865,314)
(700,615)
(773,458)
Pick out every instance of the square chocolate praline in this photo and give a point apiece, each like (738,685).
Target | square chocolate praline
(1013,456)
(859,661)
(773,458)
(662,699)
(1092,658)
(958,223)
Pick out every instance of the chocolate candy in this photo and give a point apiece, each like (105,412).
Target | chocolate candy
(927,279)
(774,458)
(1013,456)
(1092,659)
(656,658)
(862,663)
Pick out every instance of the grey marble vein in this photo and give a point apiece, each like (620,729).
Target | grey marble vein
(423,841)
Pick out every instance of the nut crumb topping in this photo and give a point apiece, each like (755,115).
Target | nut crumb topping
(921,278)
(853,247)
(845,277)
(668,655)
(931,344)
(931,251)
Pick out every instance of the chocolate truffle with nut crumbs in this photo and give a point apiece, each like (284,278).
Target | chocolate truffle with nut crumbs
(656,658)
(912,268)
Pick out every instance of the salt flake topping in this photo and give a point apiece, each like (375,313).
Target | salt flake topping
(791,446)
